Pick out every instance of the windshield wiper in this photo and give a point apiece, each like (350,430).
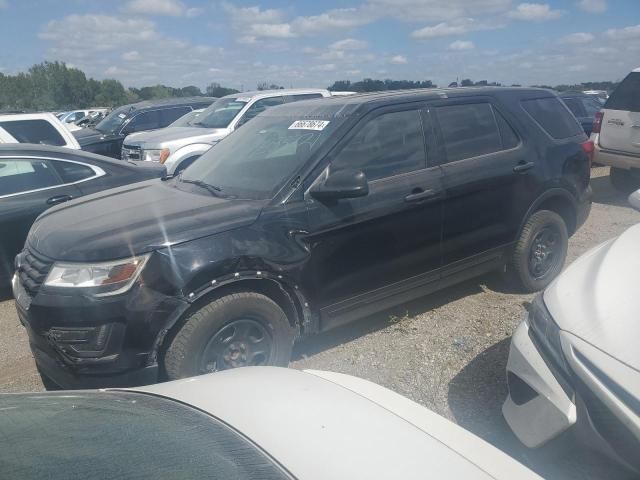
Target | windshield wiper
(207,186)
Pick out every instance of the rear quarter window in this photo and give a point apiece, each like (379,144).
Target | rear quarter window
(34,131)
(552,115)
(627,95)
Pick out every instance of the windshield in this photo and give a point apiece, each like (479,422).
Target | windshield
(114,121)
(187,119)
(220,113)
(256,160)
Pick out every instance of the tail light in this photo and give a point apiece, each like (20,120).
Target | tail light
(597,122)
(589,149)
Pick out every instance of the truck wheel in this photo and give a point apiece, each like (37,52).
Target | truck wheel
(237,330)
(541,250)
(623,180)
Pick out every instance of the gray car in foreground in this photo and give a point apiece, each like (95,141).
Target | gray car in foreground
(575,361)
(260,423)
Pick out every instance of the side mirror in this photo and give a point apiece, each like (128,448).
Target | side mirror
(341,184)
(634,200)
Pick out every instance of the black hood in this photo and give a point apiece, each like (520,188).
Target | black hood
(89,136)
(135,219)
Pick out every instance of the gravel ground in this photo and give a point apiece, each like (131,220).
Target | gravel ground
(447,351)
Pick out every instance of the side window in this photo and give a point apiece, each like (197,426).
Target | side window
(144,121)
(591,106)
(553,117)
(172,114)
(23,175)
(469,130)
(72,172)
(34,131)
(260,106)
(576,106)
(305,96)
(387,145)
(627,95)
(510,138)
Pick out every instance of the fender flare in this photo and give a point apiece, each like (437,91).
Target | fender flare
(546,195)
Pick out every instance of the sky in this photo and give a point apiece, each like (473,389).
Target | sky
(313,43)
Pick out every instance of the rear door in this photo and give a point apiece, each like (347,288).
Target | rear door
(621,122)
(486,178)
(28,186)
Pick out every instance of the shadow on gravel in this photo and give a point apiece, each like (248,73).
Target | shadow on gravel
(475,398)
(5,294)
(605,193)
(317,343)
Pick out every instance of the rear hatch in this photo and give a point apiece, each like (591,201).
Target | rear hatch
(621,121)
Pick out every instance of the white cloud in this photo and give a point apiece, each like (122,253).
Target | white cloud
(626,33)
(440,30)
(131,56)
(271,30)
(348,44)
(3,4)
(436,10)
(114,71)
(172,8)
(336,19)
(593,6)
(578,38)
(249,15)
(534,12)
(577,68)
(398,60)
(193,12)
(325,67)
(462,45)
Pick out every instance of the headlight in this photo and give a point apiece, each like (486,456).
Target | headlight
(156,155)
(99,279)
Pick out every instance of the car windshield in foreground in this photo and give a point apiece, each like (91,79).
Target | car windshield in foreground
(257,160)
(220,113)
(112,122)
(121,435)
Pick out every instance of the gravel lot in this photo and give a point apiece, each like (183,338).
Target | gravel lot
(447,351)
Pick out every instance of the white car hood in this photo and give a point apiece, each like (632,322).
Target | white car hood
(172,136)
(598,298)
(322,425)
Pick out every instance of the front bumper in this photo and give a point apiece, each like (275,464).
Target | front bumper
(86,342)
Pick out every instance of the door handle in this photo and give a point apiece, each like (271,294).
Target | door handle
(523,167)
(59,199)
(423,195)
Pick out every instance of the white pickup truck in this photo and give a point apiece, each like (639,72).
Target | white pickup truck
(38,128)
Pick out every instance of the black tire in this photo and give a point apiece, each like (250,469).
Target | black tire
(210,338)
(536,267)
(623,180)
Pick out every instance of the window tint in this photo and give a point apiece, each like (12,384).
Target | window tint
(172,114)
(468,130)
(122,435)
(553,117)
(260,106)
(33,131)
(305,96)
(386,145)
(576,106)
(627,95)
(72,172)
(145,121)
(591,106)
(21,175)
(510,138)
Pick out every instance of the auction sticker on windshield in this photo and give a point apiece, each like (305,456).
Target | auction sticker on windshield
(309,125)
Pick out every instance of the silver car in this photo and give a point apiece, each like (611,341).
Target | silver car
(574,360)
(178,147)
(260,423)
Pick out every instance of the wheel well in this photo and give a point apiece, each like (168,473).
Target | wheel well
(562,207)
(269,288)
(186,162)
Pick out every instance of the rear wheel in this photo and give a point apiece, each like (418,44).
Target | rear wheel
(237,330)
(624,180)
(541,250)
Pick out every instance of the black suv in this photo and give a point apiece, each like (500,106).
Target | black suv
(106,137)
(311,215)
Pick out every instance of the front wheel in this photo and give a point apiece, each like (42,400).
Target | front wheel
(237,330)
(541,250)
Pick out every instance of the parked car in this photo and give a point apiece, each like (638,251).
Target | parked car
(311,215)
(583,107)
(107,136)
(93,118)
(72,116)
(186,120)
(616,134)
(306,425)
(38,128)
(178,149)
(574,360)
(600,95)
(34,178)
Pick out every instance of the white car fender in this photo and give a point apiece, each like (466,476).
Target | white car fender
(183,153)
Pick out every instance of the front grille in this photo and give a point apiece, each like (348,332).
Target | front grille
(131,152)
(33,269)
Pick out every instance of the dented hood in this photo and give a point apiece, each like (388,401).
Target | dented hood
(598,297)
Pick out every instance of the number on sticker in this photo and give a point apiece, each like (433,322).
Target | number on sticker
(309,125)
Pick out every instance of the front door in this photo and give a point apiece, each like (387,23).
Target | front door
(371,251)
